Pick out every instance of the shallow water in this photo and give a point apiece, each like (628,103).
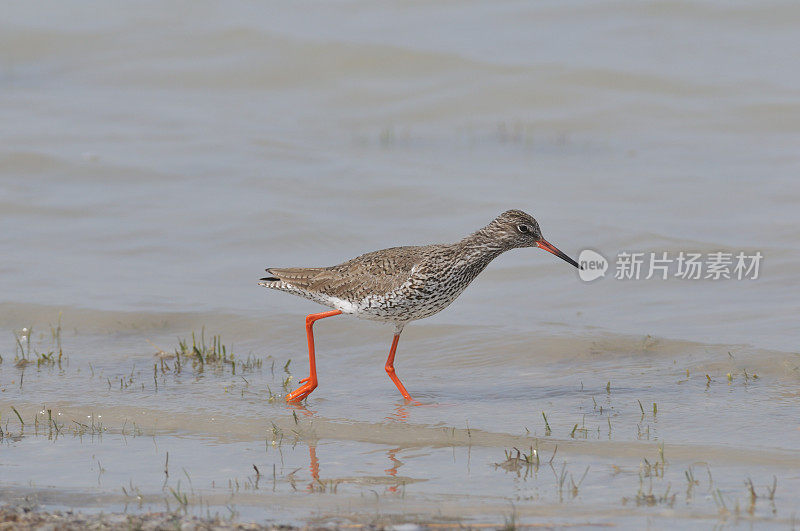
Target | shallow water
(154,159)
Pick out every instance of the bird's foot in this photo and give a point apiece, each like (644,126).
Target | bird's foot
(303,391)
(304,380)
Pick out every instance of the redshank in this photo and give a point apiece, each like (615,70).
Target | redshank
(403,284)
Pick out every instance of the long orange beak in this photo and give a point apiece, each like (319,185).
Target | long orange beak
(550,248)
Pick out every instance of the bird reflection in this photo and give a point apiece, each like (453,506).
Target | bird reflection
(313,467)
(400,414)
(317,485)
(396,463)
(297,406)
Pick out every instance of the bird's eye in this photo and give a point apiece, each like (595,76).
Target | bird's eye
(524,229)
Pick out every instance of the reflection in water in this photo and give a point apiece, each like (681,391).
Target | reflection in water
(313,467)
(400,414)
(317,485)
(396,463)
(301,408)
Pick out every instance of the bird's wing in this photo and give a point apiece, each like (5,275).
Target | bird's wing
(378,272)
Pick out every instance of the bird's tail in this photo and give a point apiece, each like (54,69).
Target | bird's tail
(268,282)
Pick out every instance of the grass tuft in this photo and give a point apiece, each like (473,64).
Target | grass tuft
(214,354)
(25,353)
(547,430)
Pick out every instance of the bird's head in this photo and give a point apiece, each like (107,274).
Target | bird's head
(515,228)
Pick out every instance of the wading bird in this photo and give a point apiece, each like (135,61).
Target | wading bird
(403,284)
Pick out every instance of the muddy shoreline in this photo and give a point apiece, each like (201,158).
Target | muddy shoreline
(16,517)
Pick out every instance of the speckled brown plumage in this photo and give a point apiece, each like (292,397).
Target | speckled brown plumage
(402,284)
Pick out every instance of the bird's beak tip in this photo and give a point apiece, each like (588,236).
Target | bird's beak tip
(550,248)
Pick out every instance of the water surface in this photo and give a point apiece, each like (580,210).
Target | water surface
(154,159)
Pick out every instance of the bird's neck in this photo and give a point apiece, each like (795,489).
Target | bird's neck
(481,246)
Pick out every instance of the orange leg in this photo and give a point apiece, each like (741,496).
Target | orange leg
(390,368)
(310,383)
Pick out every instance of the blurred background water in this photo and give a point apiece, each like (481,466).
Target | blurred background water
(154,158)
(158,157)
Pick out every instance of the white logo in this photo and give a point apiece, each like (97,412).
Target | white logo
(593,265)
